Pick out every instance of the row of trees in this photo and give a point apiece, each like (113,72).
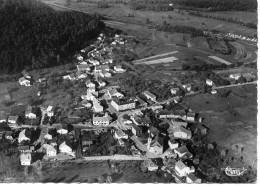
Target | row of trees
(228,19)
(217,5)
(38,36)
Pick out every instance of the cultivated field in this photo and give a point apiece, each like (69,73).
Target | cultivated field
(120,12)
(158,61)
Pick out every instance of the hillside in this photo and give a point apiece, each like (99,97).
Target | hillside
(33,35)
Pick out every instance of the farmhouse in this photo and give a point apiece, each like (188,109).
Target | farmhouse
(180,132)
(12,119)
(173,144)
(235,76)
(65,148)
(120,105)
(182,170)
(24,82)
(150,165)
(183,152)
(119,134)
(119,69)
(191,116)
(149,96)
(25,159)
(50,112)
(191,178)
(50,150)
(30,112)
(83,67)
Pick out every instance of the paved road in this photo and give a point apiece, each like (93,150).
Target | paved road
(234,85)
(115,157)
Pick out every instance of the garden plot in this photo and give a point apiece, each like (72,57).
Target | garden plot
(220,60)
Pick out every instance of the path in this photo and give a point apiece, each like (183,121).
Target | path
(115,157)
(234,85)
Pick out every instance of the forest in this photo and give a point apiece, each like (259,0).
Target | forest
(38,36)
(216,5)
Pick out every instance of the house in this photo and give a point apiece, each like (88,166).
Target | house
(101,68)
(83,67)
(182,170)
(191,178)
(141,102)
(80,75)
(187,87)
(150,96)
(170,115)
(137,130)
(235,76)
(114,93)
(101,83)
(106,74)
(50,150)
(42,80)
(26,74)
(150,165)
(96,106)
(174,123)
(24,149)
(199,128)
(213,91)
(50,112)
(191,116)
(69,77)
(183,152)
(174,90)
(30,112)
(12,119)
(119,134)
(102,121)
(83,63)
(156,145)
(62,130)
(119,69)
(180,132)
(25,159)
(48,136)
(121,105)
(22,137)
(65,148)
(92,90)
(209,82)
(8,135)
(79,57)
(153,131)
(24,82)
(173,144)
(89,84)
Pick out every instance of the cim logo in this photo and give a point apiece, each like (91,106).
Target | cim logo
(234,171)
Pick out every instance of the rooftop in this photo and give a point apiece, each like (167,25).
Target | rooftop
(122,101)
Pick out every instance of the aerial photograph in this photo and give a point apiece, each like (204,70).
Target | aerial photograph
(128,91)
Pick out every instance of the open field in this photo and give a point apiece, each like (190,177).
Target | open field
(154,57)
(120,12)
(218,45)
(231,119)
(246,17)
(199,42)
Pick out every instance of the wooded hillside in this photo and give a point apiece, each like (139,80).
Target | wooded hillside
(33,35)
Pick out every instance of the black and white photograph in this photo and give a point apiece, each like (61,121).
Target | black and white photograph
(128,91)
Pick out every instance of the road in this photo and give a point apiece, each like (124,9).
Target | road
(234,85)
(115,157)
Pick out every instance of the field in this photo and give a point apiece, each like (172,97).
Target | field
(218,45)
(199,42)
(246,17)
(231,119)
(120,12)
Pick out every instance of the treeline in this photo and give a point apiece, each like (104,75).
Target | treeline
(227,19)
(220,5)
(216,5)
(194,32)
(33,35)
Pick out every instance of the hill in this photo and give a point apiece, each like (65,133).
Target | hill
(34,35)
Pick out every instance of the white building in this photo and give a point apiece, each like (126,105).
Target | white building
(209,82)
(149,96)
(24,82)
(182,170)
(25,159)
(122,105)
(12,119)
(119,134)
(191,178)
(101,121)
(22,137)
(65,148)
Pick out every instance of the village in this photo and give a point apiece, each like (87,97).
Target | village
(135,128)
